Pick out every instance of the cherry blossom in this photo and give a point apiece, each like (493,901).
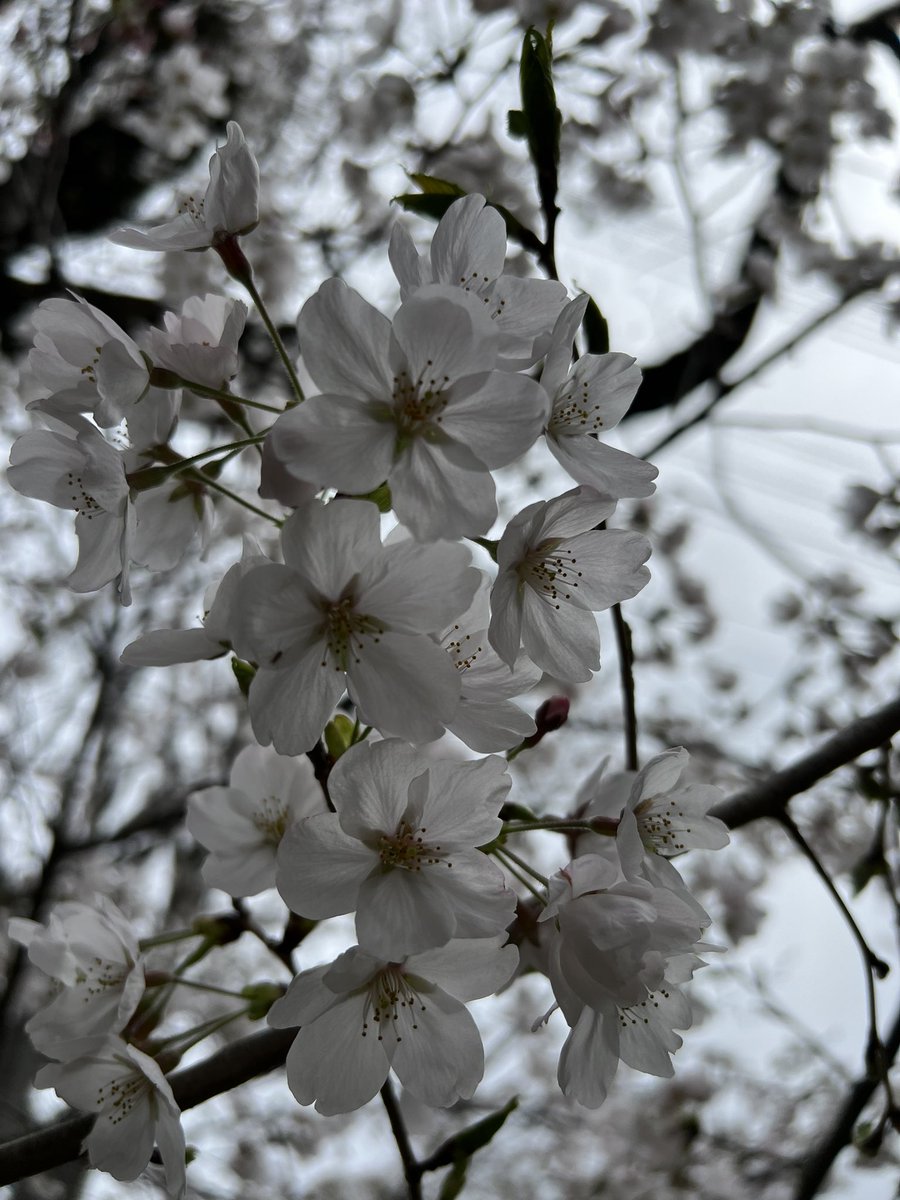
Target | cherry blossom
(344,610)
(93,954)
(416,402)
(244,823)
(76,468)
(230,206)
(201,345)
(468,251)
(85,362)
(556,569)
(588,399)
(401,850)
(134,1105)
(212,639)
(362,1017)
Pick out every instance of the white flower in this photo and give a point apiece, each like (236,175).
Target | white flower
(417,403)
(487,719)
(401,850)
(589,399)
(361,1017)
(86,362)
(556,569)
(346,611)
(165,647)
(134,1105)
(94,955)
(230,206)
(619,950)
(76,468)
(201,345)
(244,823)
(468,251)
(168,519)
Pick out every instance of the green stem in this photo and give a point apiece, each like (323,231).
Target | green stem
(211,393)
(166,939)
(605,826)
(203,987)
(219,487)
(199,1032)
(156,476)
(523,879)
(524,866)
(273,333)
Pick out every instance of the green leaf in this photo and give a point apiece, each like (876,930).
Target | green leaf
(454,1181)
(541,117)
(516,125)
(432,185)
(243,673)
(596,330)
(434,203)
(463,1145)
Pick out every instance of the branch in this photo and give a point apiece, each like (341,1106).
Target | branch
(818,1163)
(234,1064)
(768,797)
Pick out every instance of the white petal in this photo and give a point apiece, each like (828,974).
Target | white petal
(590,1057)
(329,543)
(442,334)
(562,640)
(602,467)
(344,342)
(441,490)
(419,589)
(321,868)
(463,801)
(507,605)
(467,968)
(335,441)
(611,564)
(469,245)
(494,725)
(441,1061)
(289,708)
(497,414)
(402,912)
(332,1063)
(369,786)
(405,685)
(166,647)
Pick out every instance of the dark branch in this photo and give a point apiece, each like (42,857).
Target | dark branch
(768,797)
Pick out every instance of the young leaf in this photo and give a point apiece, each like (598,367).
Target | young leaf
(541,117)
(596,329)
(464,1144)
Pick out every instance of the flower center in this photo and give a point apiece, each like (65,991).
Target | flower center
(391,1004)
(462,649)
(661,825)
(346,631)
(99,975)
(119,1096)
(407,849)
(418,404)
(640,1014)
(271,818)
(80,499)
(88,369)
(550,570)
(193,207)
(573,407)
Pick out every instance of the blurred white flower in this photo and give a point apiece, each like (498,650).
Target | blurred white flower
(201,345)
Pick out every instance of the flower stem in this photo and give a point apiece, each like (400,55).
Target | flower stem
(605,826)
(504,861)
(272,330)
(211,393)
(166,939)
(219,487)
(524,866)
(199,1032)
(626,676)
(203,987)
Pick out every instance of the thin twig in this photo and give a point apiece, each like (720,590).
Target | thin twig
(626,677)
(411,1167)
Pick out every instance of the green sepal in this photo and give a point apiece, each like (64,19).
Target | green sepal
(540,116)
(463,1145)
(260,997)
(244,673)
(380,496)
(516,812)
(339,735)
(596,330)
(454,1180)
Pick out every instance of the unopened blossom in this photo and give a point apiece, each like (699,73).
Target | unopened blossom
(401,850)
(556,570)
(134,1106)
(93,954)
(468,251)
(212,639)
(230,206)
(243,824)
(589,399)
(85,362)
(201,344)
(417,402)
(619,949)
(75,467)
(346,611)
(361,1017)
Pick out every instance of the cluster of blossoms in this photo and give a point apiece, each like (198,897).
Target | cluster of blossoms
(409,634)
